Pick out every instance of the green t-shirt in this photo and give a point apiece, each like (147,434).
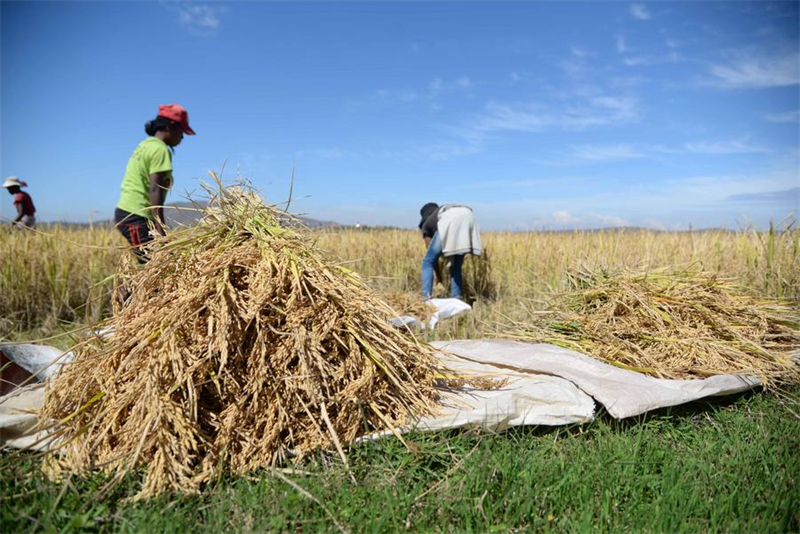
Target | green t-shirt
(151,156)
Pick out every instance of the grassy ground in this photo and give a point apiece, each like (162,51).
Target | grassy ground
(729,465)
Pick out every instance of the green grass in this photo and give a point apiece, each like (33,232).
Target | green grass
(730,465)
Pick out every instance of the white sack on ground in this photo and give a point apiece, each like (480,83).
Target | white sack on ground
(39,360)
(445,309)
(18,419)
(623,393)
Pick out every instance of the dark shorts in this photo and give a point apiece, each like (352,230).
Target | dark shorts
(136,230)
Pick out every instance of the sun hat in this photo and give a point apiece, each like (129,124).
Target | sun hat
(11,181)
(177,113)
(426,211)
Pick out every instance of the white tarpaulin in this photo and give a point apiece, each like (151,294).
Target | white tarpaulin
(543,385)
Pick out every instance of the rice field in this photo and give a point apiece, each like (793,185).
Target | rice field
(60,276)
(726,465)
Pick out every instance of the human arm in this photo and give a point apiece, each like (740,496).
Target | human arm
(20,213)
(159,185)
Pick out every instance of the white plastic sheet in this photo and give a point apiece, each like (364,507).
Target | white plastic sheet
(544,385)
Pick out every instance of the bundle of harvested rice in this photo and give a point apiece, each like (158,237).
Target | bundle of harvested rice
(240,347)
(403,303)
(672,324)
(477,277)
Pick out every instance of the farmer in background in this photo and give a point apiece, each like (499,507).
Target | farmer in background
(148,177)
(450,231)
(22,201)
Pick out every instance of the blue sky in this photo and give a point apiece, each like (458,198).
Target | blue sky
(537,114)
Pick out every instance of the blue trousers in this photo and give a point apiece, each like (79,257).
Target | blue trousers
(429,264)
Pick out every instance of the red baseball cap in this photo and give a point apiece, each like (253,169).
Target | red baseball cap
(177,113)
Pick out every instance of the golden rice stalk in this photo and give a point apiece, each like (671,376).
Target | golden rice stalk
(672,324)
(404,303)
(240,347)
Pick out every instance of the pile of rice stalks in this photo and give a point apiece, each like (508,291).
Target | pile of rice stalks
(672,324)
(240,347)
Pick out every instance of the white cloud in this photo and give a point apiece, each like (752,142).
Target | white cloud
(724,147)
(578,51)
(787,116)
(563,219)
(579,114)
(638,11)
(621,48)
(323,153)
(435,85)
(464,82)
(200,19)
(635,61)
(763,71)
(396,96)
(605,153)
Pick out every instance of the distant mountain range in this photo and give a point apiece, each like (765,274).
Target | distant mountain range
(187,214)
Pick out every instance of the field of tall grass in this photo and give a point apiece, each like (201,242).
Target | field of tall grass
(61,276)
(727,465)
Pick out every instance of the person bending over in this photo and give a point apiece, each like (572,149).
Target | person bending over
(450,231)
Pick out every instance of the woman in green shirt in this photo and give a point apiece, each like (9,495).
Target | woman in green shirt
(148,177)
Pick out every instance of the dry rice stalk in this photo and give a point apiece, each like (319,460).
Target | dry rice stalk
(409,304)
(240,347)
(672,324)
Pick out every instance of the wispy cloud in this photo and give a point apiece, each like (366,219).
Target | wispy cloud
(322,153)
(392,95)
(563,219)
(578,51)
(638,11)
(605,152)
(620,40)
(464,82)
(787,116)
(498,118)
(758,71)
(724,147)
(593,111)
(199,19)
(790,195)
(519,184)
(636,61)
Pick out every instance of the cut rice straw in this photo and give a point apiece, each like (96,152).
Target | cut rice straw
(671,323)
(240,347)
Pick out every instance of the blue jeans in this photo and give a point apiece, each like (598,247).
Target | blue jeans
(429,263)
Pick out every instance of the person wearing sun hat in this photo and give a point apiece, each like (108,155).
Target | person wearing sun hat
(148,178)
(26,212)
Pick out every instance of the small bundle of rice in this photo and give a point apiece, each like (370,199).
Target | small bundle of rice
(672,324)
(240,347)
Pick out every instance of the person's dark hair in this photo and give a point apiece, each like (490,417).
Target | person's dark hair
(159,123)
(426,211)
